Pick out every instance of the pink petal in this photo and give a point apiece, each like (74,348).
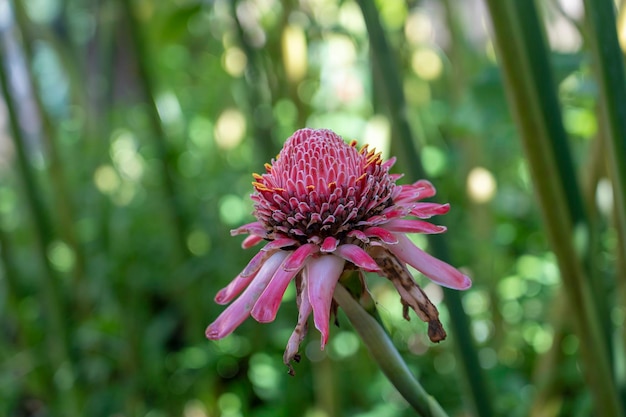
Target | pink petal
(254,228)
(359,235)
(381,233)
(435,269)
(389,163)
(297,258)
(329,244)
(357,256)
(322,274)
(258,259)
(267,305)
(255,263)
(413,226)
(237,312)
(226,294)
(279,244)
(250,241)
(293,344)
(427,210)
(425,188)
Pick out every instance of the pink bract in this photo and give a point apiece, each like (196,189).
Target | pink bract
(325,207)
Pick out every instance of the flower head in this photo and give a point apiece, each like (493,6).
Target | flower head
(325,207)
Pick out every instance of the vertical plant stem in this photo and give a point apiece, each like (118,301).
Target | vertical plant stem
(609,67)
(65,210)
(386,69)
(147,83)
(54,309)
(385,354)
(259,94)
(525,93)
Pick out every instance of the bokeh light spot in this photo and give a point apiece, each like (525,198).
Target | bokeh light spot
(106,179)
(229,403)
(511,288)
(433,160)
(427,64)
(481,185)
(264,376)
(61,256)
(195,408)
(344,344)
(418,28)
(294,47)
(233,209)
(198,242)
(230,129)
(234,61)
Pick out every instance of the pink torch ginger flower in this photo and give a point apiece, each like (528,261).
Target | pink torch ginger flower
(325,207)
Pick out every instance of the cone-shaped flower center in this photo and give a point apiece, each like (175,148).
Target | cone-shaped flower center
(319,186)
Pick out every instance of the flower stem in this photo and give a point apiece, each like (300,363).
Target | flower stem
(520,55)
(385,354)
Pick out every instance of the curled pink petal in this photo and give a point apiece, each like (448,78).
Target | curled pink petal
(381,233)
(255,263)
(414,226)
(427,210)
(226,294)
(250,241)
(279,244)
(435,269)
(297,258)
(254,228)
(322,274)
(266,307)
(237,312)
(357,256)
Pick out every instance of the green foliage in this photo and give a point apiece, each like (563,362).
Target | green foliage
(137,127)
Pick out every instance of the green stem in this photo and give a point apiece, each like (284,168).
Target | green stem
(55,312)
(386,355)
(526,92)
(609,66)
(147,84)
(386,70)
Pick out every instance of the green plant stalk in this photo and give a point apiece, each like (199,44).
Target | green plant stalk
(65,210)
(147,83)
(609,67)
(524,98)
(54,308)
(386,70)
(385,354)
(259,94)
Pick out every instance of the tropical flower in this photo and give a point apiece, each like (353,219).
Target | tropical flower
(325,207)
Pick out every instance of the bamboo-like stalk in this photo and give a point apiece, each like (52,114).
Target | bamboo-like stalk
(525,93)
(65,210)
(385,354)
(54,308)
(258,92)
(386,69)
(609,67)
(148,88)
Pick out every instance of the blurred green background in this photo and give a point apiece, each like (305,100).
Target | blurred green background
(130,130)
